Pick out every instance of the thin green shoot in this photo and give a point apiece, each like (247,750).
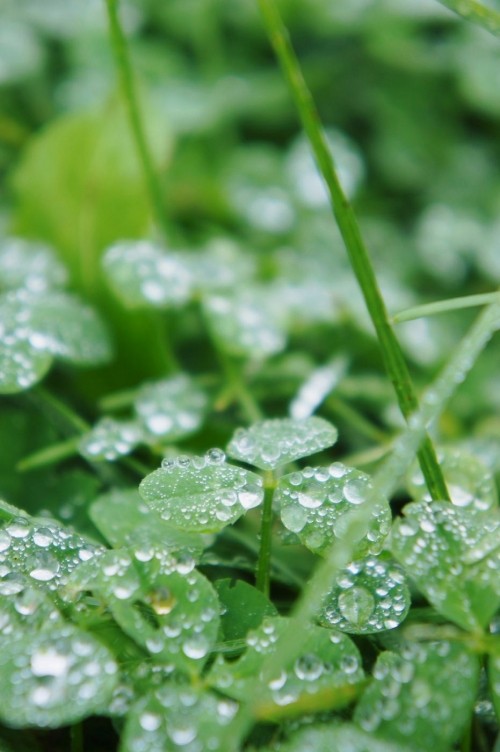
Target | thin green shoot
(392,354)
(263,574)
(476,12)
(444,306)
(131,101)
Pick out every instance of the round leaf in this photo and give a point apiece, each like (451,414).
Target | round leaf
(245,323)
(142,274)
(327,659)
(178,717)
(110,439)
(25,263)
(370,595)
(453,556)
(162,603)
(423,697)
(273,443)
(54,678)
(201,494)
(315,504)
(170,409)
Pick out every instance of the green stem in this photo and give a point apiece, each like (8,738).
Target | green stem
(358,522)
(477,13)
(443,306)
(238,388)
(263,576)
(49,455)
(278,564)
(122,59)
(392,354)
(76,737)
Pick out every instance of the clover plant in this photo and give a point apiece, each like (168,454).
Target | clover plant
(249,426)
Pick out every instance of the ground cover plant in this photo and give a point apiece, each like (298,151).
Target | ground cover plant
(250,431)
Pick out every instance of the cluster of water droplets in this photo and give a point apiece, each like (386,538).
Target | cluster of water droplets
(245,322)
(141,272)
(179,717)
(110,439)
(315,504)
(54,677)
(422,693)
(272,443)
(159,599)
(201,493)
(451,552)
(170,408)
(38,554)
(326,659)
(370,595)
(29,264)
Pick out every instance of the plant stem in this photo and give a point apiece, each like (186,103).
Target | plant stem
(355,419)
(476,12)
(49,455)
(443,306)
(263,578)
(238,388)
(392,355)
(122,59)
(76,736)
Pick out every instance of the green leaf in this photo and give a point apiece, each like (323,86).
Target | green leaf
(67,328)
(422,698)
(178,717)
(141,274)
(124,518)
(170,409)
(370,595)
(39,553)
(83,171)
(26,263)
(273,443)
(39,326)
(469,481)
(327,659)
(161,602)
(244,322)
(110,439)
(244,607)
(201,494)
(315,503)
(453,556)
(346,737)
(54,678)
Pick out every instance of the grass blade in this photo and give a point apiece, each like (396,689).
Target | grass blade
(392,354)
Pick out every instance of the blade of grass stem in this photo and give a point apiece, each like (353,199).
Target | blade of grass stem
(130,98)
(392,354)
(476,12)
(384,482)
(263,574)
(444,306)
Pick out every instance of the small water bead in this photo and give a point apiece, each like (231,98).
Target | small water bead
(43,566)
(5,540)
(18,528)
(150,721)
(308,667)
